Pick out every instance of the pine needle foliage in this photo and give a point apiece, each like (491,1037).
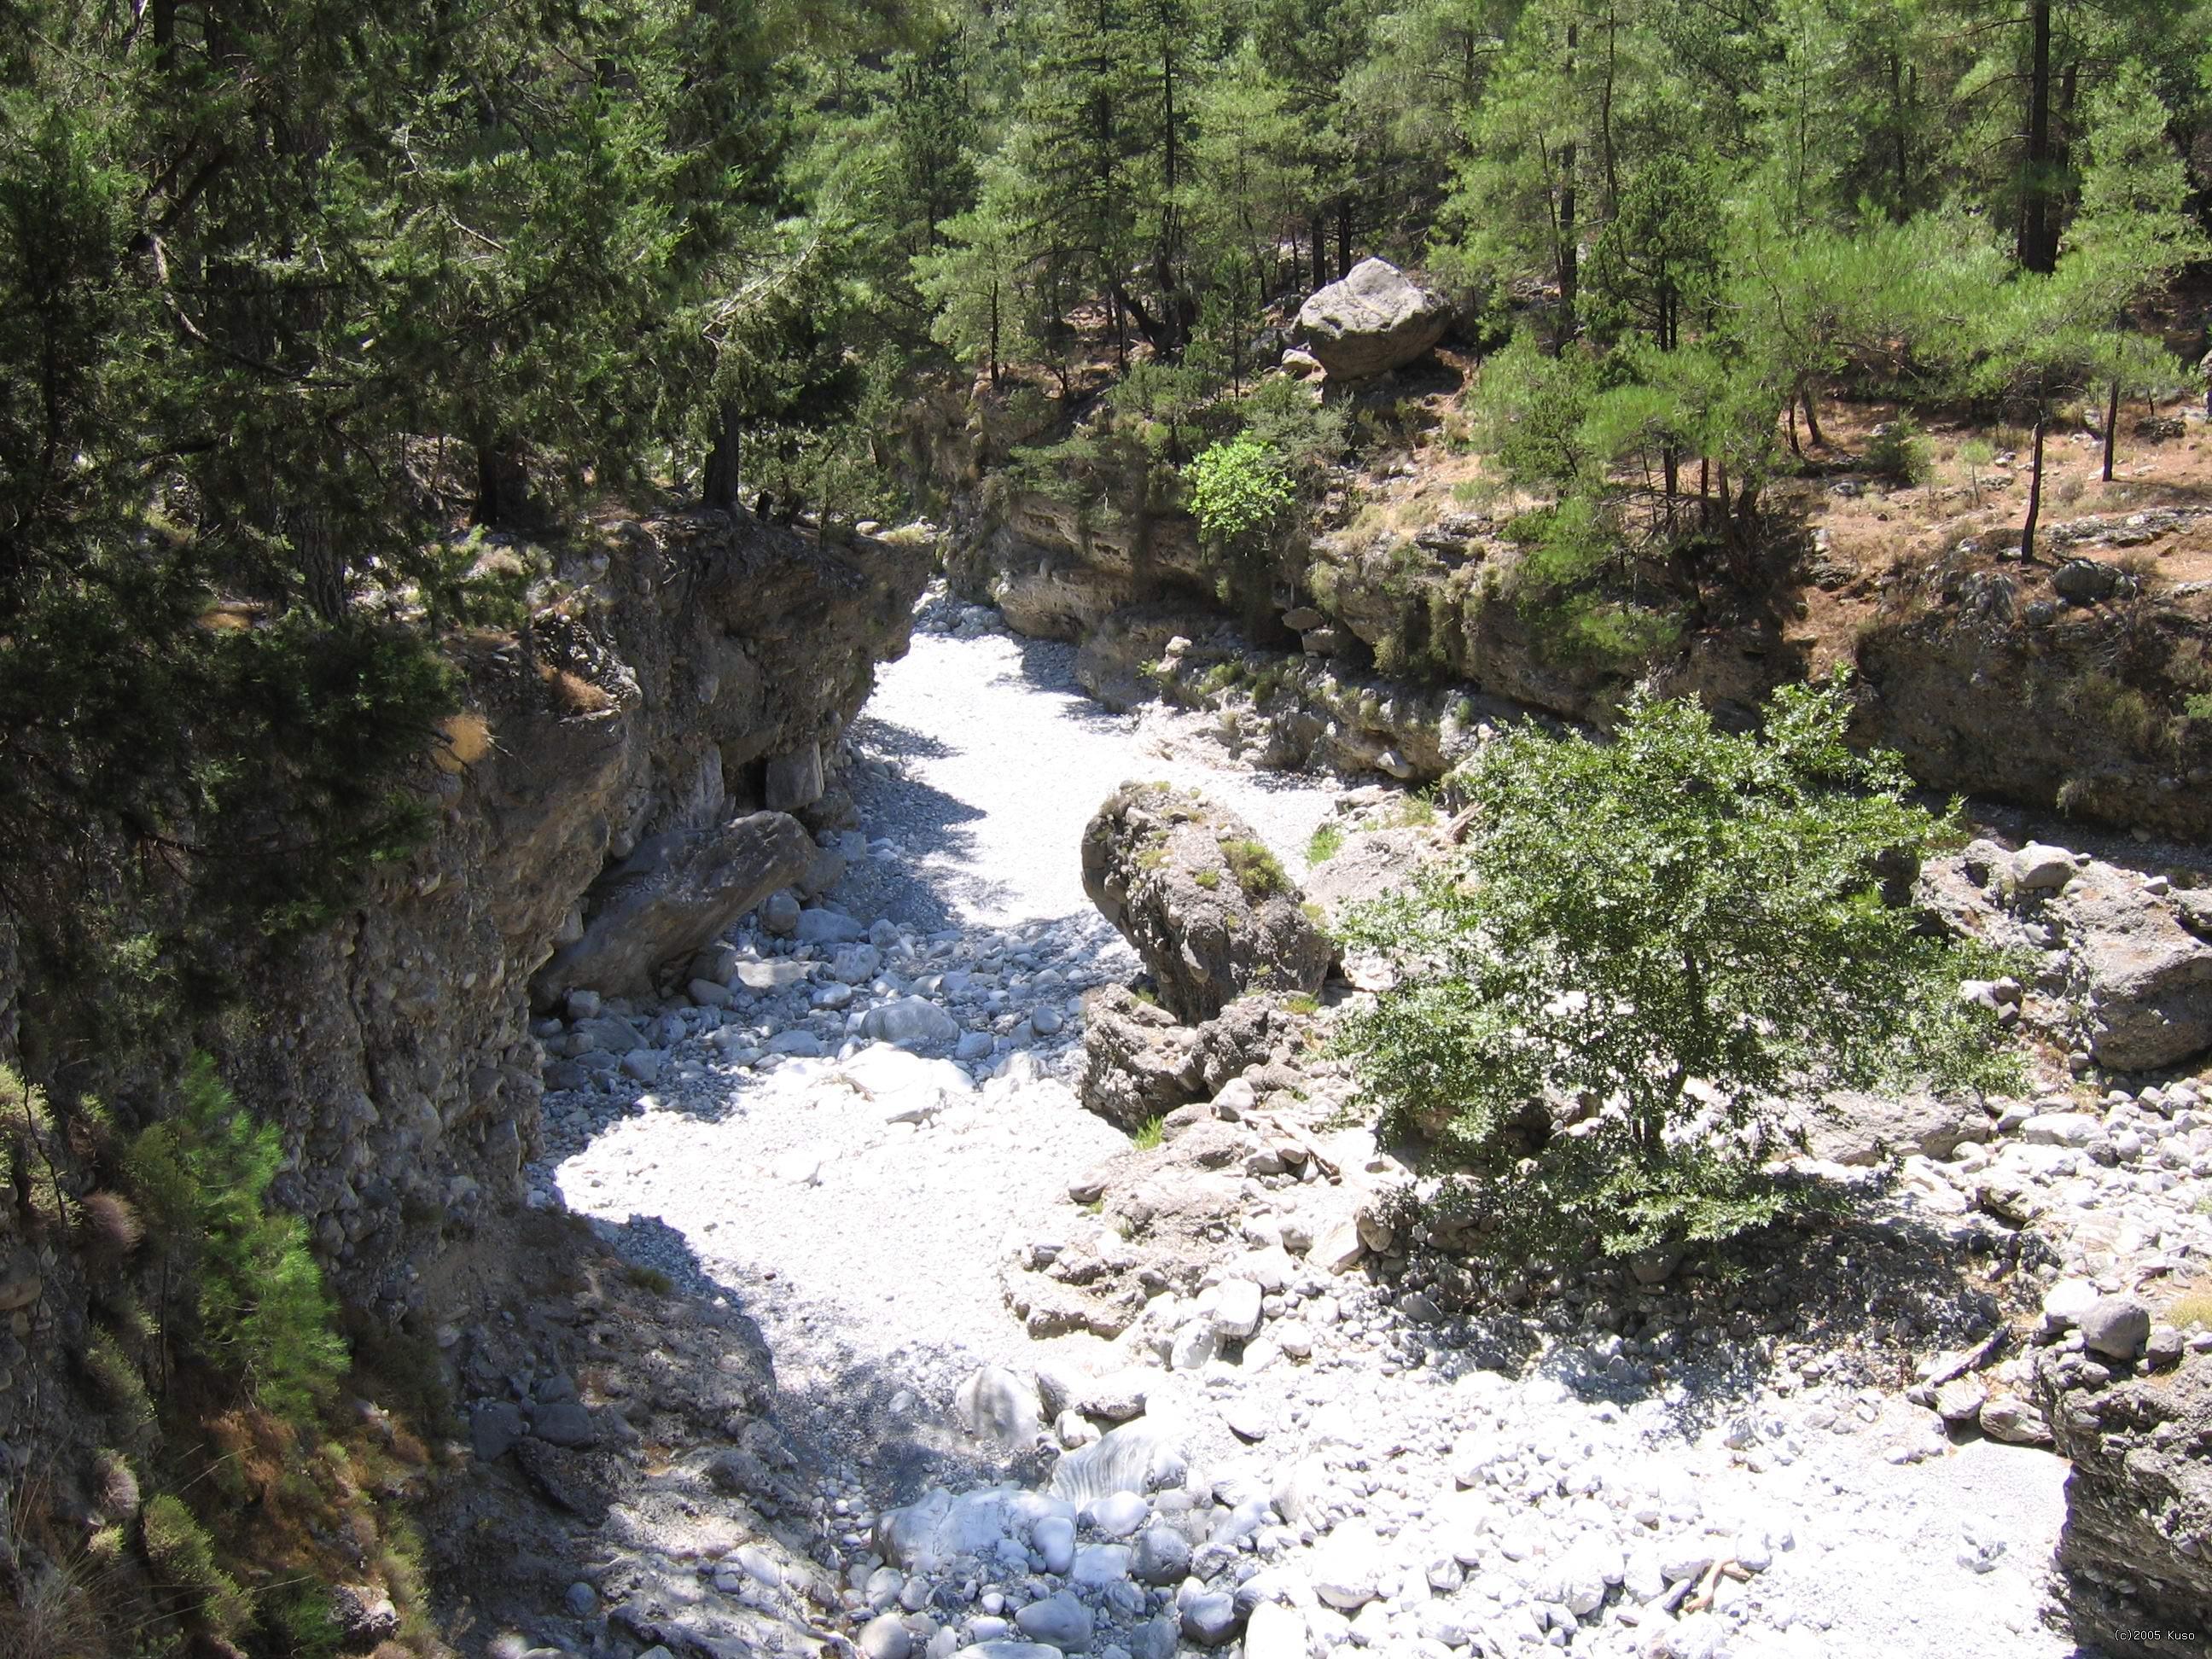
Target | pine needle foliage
(1683,927)
(183,1558)
(255,1304)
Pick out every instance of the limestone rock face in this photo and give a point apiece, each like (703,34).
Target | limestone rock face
(676,670)
(1370,863)
(671,897)
(2138,1505)
(1201,899)
(2134,985)
(1139,1061)
(1375,321)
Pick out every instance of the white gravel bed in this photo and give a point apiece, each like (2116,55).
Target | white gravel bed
(869,1249)
(1002,760)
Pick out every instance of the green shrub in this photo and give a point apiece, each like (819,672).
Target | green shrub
(1328,840)
(1208,878)
(306,1623)
(1899,452)
(182,1557)
(1681,906)
(1281,416)
(1615,634)
(1976,454)
(118,1379)
(1148,1134)
(1256,869)
(1239,492)
(1303,1002)
(258,1309)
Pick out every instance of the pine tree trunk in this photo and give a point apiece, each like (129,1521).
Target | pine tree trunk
(1569,254)
(2034,497)
(2038,233)
(502,486)
(1344,239)
(994,335)
(1897,100)
(2112,427)
(1812,415)
(322,561)
(719,487)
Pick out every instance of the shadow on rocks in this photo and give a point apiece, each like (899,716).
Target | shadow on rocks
(895,1431)
(1853,1303)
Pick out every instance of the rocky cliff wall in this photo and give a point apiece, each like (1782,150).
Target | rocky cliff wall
(2056,684)
(677,674)
(684,662)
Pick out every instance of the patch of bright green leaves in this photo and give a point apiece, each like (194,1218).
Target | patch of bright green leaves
(1239,492)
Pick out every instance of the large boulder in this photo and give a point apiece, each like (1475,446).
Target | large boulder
(1857,1128)
(2127,960)
(2138,1504)
(1200,898)
(2147,975)
(1140,1062)
(669,897)
(1375,321)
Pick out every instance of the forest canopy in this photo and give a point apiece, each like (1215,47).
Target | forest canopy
(298,302)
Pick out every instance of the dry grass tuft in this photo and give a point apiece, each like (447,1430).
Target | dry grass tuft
(575,694)
(58,1612)
(117,1497)
(58,1617)
(2193,1306)
(108,1222)
(468,740)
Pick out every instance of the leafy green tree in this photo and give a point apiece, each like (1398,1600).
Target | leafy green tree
(2053,335)
(1656,263)
(1246,182)
(1678,928)
(1516,211)
(2132,232)
(1316,48)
